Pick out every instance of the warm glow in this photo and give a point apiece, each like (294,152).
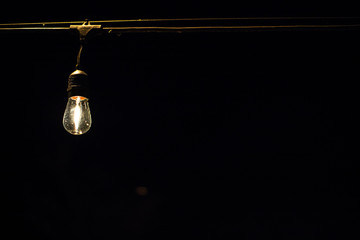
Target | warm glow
(141,190)
(76,97)
(77,113)
(77,117)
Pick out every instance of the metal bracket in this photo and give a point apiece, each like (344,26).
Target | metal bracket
(84,29)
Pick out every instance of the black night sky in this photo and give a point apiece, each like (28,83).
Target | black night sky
(233,135)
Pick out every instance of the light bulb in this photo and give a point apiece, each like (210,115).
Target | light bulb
(77,117)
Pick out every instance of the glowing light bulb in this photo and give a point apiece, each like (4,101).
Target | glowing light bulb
(77,117)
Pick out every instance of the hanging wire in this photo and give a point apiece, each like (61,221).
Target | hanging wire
(220,28)
(204,28)
(79,56)
(192,24)
(33,28)
(180,20)
(41,23)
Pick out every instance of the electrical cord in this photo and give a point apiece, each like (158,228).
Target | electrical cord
(79,56)
(185,20)
(207,24)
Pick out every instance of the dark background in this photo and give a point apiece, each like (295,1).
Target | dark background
(66,10)
(247,135)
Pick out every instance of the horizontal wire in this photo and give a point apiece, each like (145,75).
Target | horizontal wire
(179,20)
(231,27)
(41,23)
(194,28)
(225,19)
(34,28)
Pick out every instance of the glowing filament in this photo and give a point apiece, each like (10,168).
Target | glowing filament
(77,114)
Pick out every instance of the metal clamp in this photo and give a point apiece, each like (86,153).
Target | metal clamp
(84,29)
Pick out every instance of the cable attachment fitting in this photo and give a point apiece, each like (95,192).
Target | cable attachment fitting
(83,30)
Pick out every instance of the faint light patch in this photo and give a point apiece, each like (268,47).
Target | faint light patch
(141,191)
